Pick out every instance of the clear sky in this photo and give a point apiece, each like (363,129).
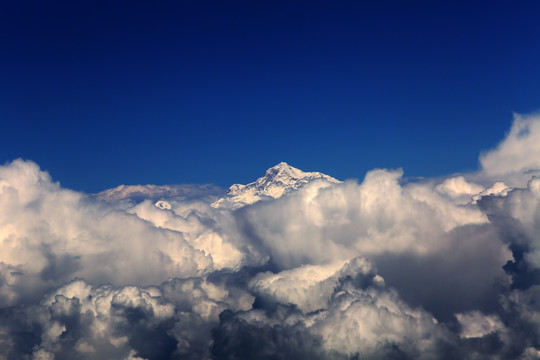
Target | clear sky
(126,92)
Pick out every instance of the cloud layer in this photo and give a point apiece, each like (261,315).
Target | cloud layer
(443,268)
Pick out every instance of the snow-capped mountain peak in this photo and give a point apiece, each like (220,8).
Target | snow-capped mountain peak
(284,171)
(276,182)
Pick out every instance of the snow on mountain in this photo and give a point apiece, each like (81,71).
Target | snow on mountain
(276,182)
(156,192)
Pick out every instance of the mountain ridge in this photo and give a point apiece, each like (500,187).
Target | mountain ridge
(276,182)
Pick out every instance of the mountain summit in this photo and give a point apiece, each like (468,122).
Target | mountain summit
(276,182)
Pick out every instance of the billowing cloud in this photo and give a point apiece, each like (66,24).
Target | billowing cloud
(51,235)
(517,157)
(294,265)
(474,324)
(360,317)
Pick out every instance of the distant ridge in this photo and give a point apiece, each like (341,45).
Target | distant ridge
(156,192)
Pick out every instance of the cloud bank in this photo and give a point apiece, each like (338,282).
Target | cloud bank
(295,265)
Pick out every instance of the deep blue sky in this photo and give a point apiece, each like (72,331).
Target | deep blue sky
(125,92)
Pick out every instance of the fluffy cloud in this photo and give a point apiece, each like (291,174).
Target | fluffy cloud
(310,287)
(51,235)
(307,268)
(357,315)
(517,157)
(475,324)
(320,224)
(80,321)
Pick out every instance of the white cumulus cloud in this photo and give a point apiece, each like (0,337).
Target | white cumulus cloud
(293,265)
